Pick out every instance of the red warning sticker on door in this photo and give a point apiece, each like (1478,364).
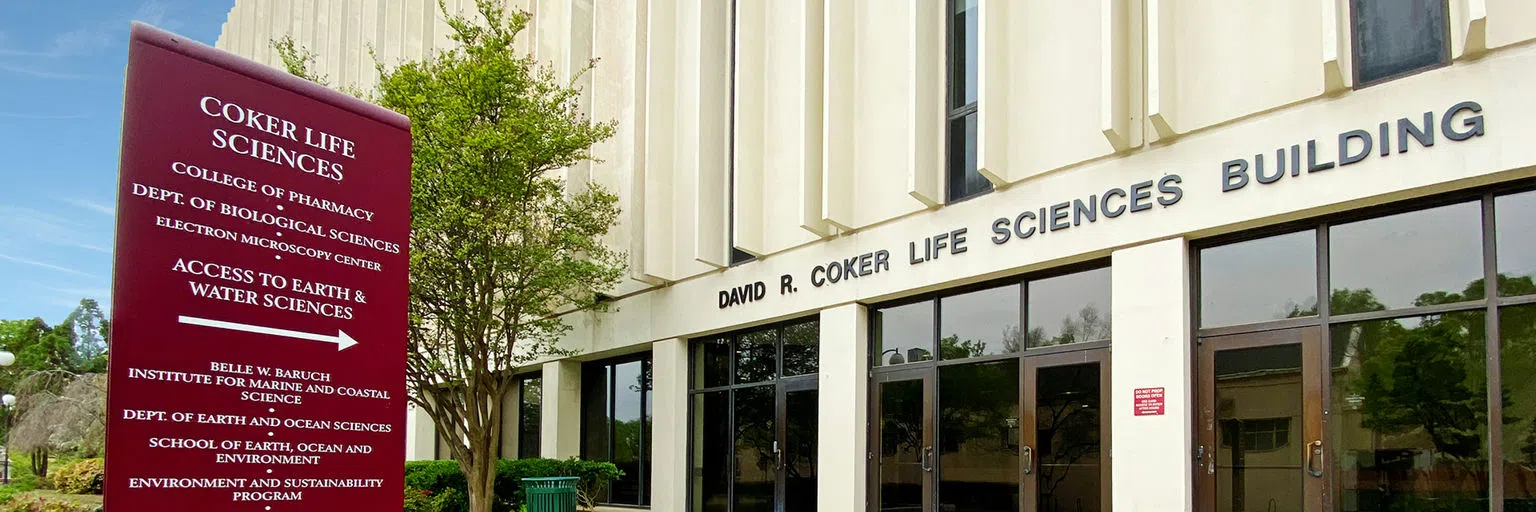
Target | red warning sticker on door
(1149,401)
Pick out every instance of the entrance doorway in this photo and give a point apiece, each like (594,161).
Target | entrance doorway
(754,411)
(993,398)
(1260,422)
(1007,435)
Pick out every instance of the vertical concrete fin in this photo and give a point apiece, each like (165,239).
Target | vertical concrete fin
(711,165)
(1161,68)
(835,192)
(925,171)
(1337,76)
(749,118)
(660,82)
(1469,28)
(1118,54)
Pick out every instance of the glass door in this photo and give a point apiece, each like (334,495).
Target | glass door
(1259,422)
(1064,451)
(797,447)
(903,442)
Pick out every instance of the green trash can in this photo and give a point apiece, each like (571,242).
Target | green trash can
(553,494)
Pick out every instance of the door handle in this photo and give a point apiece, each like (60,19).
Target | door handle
(1315,458)
(927,459)
(1027,454)
(778,457)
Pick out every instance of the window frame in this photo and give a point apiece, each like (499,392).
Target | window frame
(1022,281)
(1354,50)
(644,452)
(780,383)
(954,63)
(522,396)
(1491,304)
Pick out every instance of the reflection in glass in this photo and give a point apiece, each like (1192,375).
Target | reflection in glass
(1398,37)
(1073,308)
(1410,426)
(754,450)
(1515,221)
(979,437)
(901,446)
(979,323)
(800,348)
(596,381)
(964,180)
(711,363)
(1409,259)
(530,405)
(1517,337)
(756,356)
(904,334)
(711,452)
(1067,438)
(1265,279)
(964,66)
(628,387)
(1259,390)
(800,451)
(615,405)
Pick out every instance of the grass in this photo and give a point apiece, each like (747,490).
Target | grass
(56,496)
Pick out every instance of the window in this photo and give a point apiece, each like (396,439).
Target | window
(616,423)
(1394,38)
(753,420)
(1408,342)
(1258,435)
(530,403)
(964,181)
(1011,318)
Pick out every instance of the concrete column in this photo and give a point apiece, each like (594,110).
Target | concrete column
(1152,466)
(420,434)
(669,420)
(560,424)
(842,408)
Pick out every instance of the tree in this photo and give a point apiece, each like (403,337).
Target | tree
(90,340)
(499,248)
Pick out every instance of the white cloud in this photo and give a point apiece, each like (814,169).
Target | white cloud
(20,225)
(41,117)
(88,204)
(42,73)
(40,264)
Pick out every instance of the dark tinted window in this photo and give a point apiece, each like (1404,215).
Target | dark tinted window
(712,363)
(1073,308)
(1419,258)
(1257,280)
(904,334)
(1516,221)
(963,64)
(615,402)
(756,356)
(529,411)
(1396,37)
(712,452)
(964,181)
(1413,396)
(800,348)
(979,323)
(1517,337)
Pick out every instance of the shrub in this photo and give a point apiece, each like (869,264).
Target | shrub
(83,477)
(439,477)
(418,500)
(26,503)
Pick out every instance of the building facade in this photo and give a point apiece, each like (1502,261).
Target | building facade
(977,255)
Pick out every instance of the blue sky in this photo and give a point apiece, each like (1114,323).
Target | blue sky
(61,101)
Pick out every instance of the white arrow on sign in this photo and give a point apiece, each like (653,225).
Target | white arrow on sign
(341,339)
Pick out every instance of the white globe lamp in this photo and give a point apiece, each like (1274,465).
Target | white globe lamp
(7,358)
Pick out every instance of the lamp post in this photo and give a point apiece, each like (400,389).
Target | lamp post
(8,401)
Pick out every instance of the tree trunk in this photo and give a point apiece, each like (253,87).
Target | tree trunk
(40,462)
(482,486)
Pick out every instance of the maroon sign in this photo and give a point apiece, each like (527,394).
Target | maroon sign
(259,290)
(1148,401)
